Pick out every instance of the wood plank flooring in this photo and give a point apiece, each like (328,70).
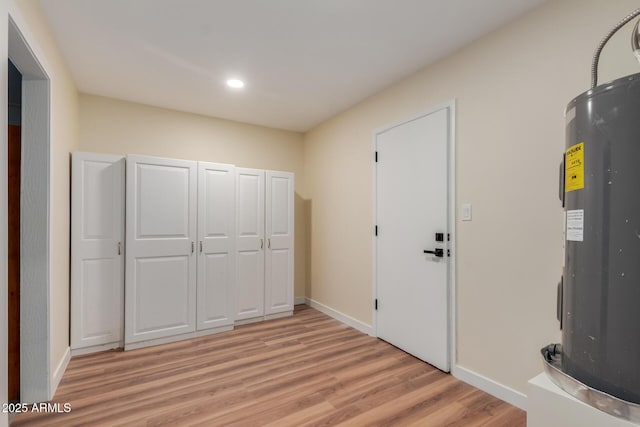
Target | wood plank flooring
(306,370)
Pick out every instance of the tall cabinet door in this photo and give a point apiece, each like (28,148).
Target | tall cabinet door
(279,234)
(97,264)
(160,286)
(250,243)
(216,245)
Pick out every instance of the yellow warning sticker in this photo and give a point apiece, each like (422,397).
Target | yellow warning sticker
(574,168)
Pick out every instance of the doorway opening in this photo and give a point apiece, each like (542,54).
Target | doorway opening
(33,204)
(13,230)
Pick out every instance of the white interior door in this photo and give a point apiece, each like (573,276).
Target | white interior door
(412,286)
(249,243)
(160,288)
(279,233)
(97,259)
(216,241)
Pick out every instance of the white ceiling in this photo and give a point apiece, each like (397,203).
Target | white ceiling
(302,60)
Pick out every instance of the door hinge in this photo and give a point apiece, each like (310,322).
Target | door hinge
(376,230)
(375,304)
(376,157)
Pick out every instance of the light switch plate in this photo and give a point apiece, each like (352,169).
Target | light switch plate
(466,212)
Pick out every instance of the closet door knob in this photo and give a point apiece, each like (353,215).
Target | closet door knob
(193,246)
(261,243)
(200,246)
(269,243)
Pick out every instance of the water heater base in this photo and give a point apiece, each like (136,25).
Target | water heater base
(596,398)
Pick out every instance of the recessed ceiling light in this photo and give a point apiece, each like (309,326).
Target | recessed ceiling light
(235,83)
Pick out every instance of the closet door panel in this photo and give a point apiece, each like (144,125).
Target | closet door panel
(250,290)
(97,263)
(164,282)
(100,293)
(215,295)
(216,236)
(279,232)
(278,292)
(162,203)
(250,243)
(161,233)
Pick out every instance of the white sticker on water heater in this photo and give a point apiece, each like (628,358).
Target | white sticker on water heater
(575,225)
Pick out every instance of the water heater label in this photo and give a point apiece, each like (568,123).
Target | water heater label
(574,168)
(575,225)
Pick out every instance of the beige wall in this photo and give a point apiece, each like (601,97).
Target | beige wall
(64,137)
(511,88)
(113,126)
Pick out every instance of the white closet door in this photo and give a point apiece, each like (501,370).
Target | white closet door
(216,245)
(160,288)
(250,243)
(97,235)
(279,233)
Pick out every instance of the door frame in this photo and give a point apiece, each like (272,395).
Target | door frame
(450,106)
(37,383)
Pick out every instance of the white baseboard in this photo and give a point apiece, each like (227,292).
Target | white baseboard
(174,338)
(490,386)
(96,348)
(346,319)
(248,321)
(59,372)
(278,315)
(299,300)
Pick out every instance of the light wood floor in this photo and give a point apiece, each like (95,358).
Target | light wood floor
(306,370)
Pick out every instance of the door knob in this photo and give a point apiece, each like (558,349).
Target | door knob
(437,252)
